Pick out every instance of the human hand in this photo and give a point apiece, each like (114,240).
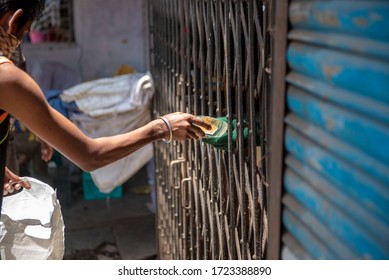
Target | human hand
(46,150)
(13,183)
(185,126)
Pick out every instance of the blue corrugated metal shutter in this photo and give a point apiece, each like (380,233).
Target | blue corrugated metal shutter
(336,180)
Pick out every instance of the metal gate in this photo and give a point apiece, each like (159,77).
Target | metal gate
(336,195)
(212,58)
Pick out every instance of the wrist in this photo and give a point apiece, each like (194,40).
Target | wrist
(169,137)
(159,130)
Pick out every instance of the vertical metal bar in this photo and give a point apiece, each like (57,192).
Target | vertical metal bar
(276,125)
(253,134)
(195,59)
(200,22)
(204,158)
(267,71)
(164,39)
(169,107)
(181,84)
(177,145)
(181,147)
(180,99)
(210,56)
(231,185)
(218,59)
(196,111)
(163,65)
(211,154)
(239,125)
(191,166)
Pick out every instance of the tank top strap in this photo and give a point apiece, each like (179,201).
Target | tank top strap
(3,115)
(3,59)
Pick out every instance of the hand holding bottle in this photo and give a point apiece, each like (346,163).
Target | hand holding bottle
(218,137)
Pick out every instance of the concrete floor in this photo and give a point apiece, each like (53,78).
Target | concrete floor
(118,228)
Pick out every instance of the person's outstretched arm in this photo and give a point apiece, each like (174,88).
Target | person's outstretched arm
(21,97)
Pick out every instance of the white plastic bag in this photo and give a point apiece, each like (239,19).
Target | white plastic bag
(32,227)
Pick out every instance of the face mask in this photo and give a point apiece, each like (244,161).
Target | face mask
(8,43)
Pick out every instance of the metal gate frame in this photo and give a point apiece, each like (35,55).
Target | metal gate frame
(276,140)
(212,57)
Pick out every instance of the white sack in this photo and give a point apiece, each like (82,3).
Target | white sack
(32,226)
(111,95)
(114,106)
(112,124)
(114,174)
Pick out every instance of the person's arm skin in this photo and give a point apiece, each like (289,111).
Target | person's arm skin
(22,98)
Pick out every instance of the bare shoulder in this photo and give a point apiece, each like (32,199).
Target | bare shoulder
(17,88)
(10,75)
